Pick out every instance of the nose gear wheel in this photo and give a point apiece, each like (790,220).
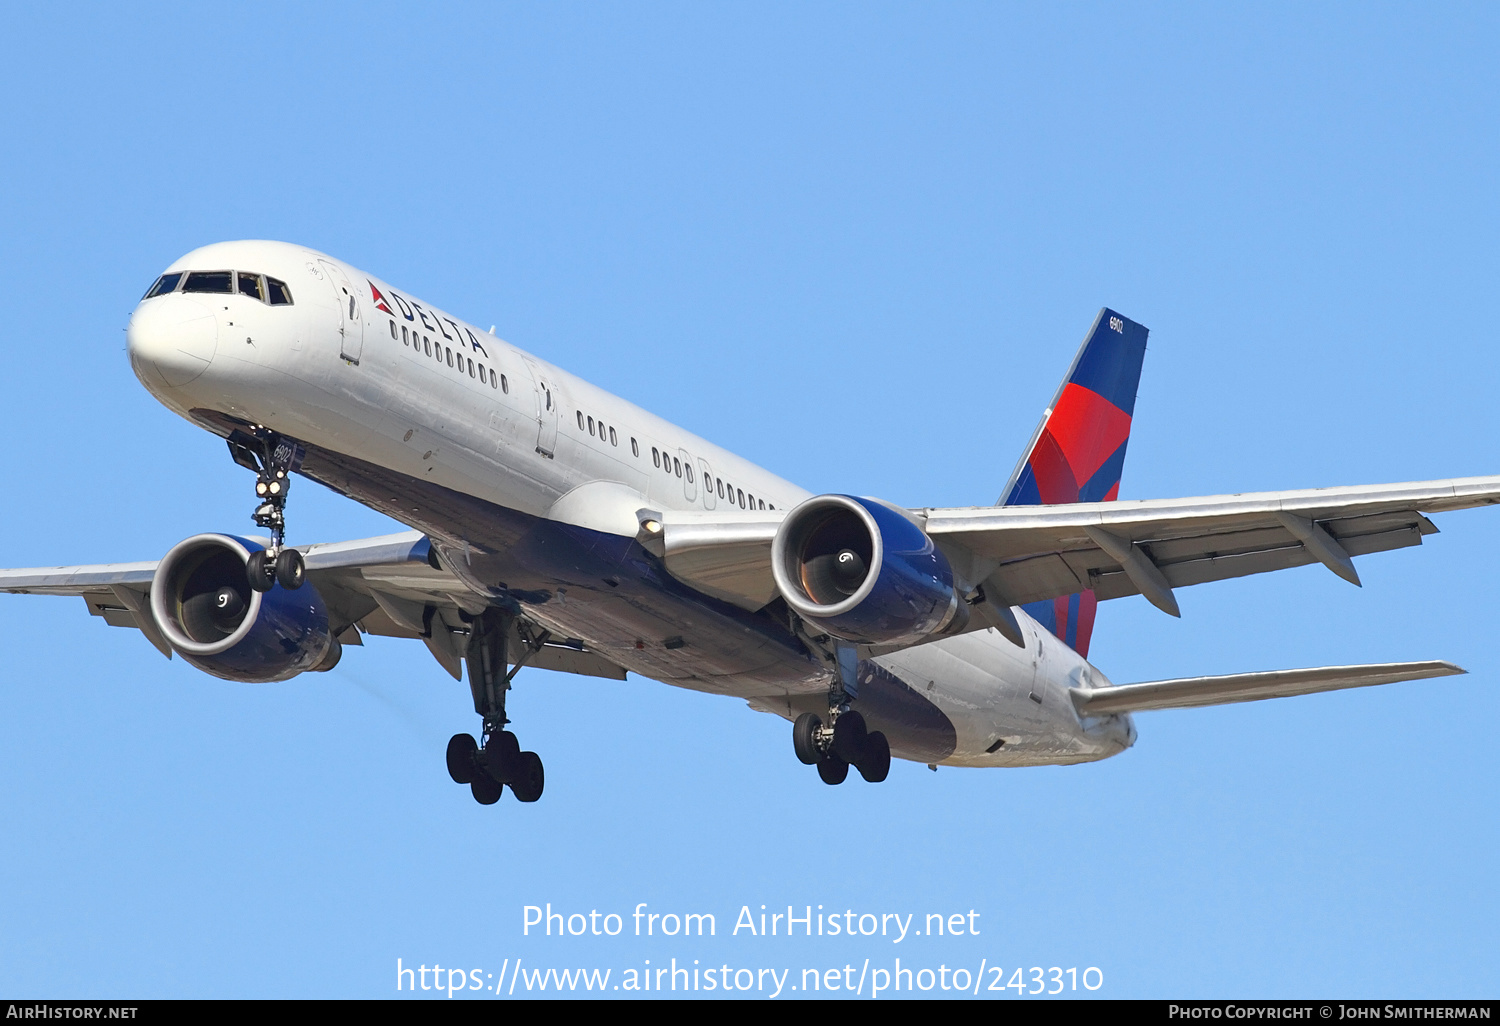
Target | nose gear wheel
(273,459)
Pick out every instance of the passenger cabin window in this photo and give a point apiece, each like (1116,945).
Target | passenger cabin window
(250,286)
(655,457)
(677,465)
(166,283)
(612,439)
(504,384)
(580,419)
(404,339)
(591,425)
(635,450)
(210,281)
(690,473)
(393,329)
(719,483)
(278,293)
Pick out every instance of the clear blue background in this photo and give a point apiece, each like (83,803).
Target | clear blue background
(858,244)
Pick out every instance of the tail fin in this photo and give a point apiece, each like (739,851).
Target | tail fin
(1078,450)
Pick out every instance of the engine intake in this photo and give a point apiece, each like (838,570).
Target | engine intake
(862,571)
(203,605)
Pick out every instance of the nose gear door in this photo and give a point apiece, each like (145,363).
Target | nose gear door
(547,401)
(351,324)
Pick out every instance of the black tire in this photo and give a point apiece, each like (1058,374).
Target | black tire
(832,769)
(529,779)
(290,569)
(485,790)
(461,749)
(501,756)
(875,764)
(257,573)
(849,734)
(804,733)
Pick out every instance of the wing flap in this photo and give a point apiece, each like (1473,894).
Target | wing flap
(1190,692)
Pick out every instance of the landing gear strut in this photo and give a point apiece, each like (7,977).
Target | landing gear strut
(498,761)
(273,459)
(845,741)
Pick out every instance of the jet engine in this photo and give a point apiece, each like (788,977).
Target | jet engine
(202,603)
(863,571)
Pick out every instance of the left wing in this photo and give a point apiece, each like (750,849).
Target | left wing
(385,585)
(1025,554)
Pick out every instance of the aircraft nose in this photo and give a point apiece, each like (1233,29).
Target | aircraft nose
(171,340)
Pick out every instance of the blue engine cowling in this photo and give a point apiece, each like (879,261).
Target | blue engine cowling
(202,603)
(862,571)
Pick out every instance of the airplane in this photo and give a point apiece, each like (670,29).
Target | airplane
(555,525)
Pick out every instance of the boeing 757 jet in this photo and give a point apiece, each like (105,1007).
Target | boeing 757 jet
(553,524)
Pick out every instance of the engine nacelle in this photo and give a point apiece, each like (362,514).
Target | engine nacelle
(202,603)
(862,571)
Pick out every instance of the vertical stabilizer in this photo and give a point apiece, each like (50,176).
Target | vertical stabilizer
(1078,450)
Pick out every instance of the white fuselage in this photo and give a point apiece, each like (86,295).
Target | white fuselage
(348,366)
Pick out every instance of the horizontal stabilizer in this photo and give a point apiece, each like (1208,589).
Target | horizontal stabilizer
(1187,692)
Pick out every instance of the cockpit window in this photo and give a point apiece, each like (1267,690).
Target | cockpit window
(166,283)
(250,285)
(209,281)
(279,294)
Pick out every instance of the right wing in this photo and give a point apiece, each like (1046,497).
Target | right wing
(1024,554)
(385,586)
(1151,546)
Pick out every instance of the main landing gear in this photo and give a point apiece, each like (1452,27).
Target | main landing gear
(273,459)
(845,741)
(494,763)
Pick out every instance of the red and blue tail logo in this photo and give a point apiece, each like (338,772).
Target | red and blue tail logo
(1079,450)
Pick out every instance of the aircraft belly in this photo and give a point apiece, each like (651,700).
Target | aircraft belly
(991,691)
(602,589)
(944,702)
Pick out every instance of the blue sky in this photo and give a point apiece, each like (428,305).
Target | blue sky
(858,244)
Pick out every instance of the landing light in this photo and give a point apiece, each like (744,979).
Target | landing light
(651,526)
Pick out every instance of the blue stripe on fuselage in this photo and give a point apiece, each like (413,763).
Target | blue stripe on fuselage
(613,594)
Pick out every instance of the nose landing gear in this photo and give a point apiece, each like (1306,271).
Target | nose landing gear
(499,762)
(273,459)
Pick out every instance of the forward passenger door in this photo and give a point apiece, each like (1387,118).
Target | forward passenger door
(351,324)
